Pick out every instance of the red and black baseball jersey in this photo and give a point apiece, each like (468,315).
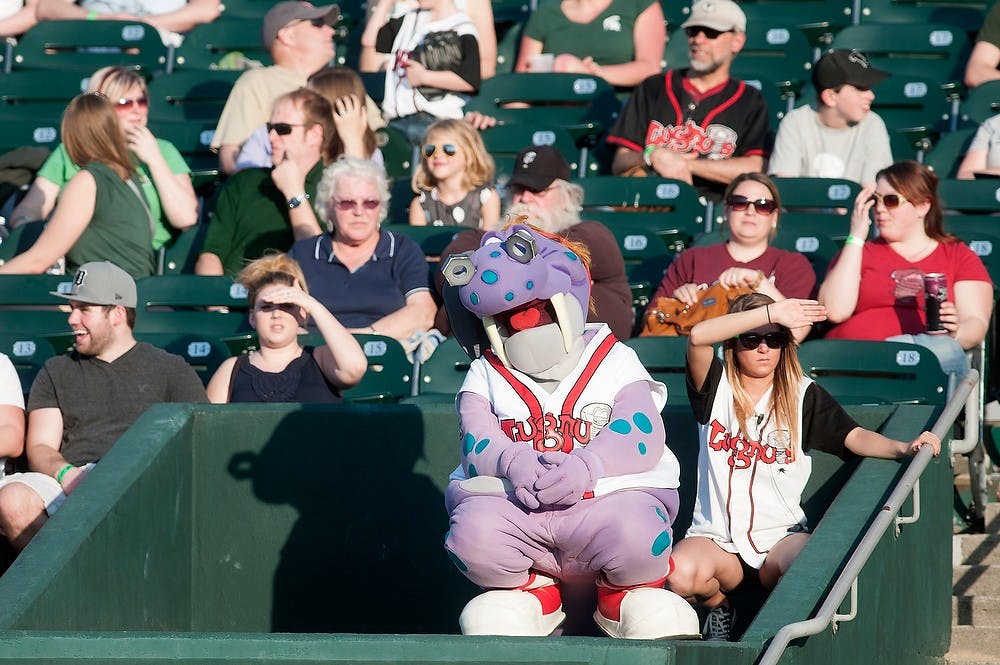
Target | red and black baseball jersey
(730,120)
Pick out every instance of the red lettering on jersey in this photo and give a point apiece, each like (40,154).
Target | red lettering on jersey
(741,451)
(549,432)
(717,141)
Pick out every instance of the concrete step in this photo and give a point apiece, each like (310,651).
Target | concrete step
(993,517)
(981,611)
(976,549)
(976,580)
(973,645)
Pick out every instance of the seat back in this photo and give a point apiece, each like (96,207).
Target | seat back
(966,14)
(40,132)
(389,374)
(26,305)
(815,194)
(971,196)
(21,95)
(397,153)
(191,95)
(444,372)
(507,140)
(19,240)
(203,353)
(934,51)
(178,304)
(646,260)
(813,242)
(981,104)
(869,372)
(178,257)
(28,353)
(947,153)
(193,139)
(86,46)
(668,207)
(209,43)
(665,359)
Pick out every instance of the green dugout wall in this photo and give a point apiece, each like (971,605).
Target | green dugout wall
(299,534)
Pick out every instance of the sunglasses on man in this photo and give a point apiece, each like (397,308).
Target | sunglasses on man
(709,33)
(282,128)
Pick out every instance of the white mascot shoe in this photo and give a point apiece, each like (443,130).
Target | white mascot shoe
(533,612)
(648,613)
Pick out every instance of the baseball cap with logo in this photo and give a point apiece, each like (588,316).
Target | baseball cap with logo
(101,283)
(536,167)
(839,67)
(284,13)
(721,15)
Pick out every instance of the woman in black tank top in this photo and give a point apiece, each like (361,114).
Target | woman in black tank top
(281,370)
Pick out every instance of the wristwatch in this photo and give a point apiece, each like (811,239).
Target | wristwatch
(296,201)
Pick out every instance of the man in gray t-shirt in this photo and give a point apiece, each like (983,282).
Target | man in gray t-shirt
(841,137)
(82,402)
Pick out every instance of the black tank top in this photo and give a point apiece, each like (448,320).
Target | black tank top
(301,381)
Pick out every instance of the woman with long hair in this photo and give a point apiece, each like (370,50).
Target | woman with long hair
(281,369)
(102,213)
(162,173)
(758,419)
(874,289)
(352,134)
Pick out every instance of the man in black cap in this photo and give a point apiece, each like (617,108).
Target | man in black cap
(540,188)
(841,137)
(299,38)
(82,402)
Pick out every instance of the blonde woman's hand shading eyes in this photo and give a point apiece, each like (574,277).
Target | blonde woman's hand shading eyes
(796,312)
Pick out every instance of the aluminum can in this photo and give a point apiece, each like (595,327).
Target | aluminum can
(935,293)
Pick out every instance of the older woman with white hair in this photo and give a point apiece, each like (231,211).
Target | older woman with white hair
(371,279)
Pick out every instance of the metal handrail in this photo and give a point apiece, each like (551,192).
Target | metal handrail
(886,517)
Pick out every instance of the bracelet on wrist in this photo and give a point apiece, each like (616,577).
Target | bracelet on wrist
(62,472)
(647,155)
(854,240)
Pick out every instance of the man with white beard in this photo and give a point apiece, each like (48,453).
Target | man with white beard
(540,189)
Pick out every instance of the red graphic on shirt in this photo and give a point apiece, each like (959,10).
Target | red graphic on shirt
(716,141)
(742,451)
(549,432)
(908,282)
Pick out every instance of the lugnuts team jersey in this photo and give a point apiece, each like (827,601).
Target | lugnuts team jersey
(749,491)
(730,120)
(576,409)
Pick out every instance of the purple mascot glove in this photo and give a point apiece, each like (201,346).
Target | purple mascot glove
(568,478)
(522,467)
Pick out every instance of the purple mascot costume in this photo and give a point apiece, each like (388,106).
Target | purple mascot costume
(564,474)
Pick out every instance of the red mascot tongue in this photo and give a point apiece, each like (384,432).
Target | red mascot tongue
(525,319)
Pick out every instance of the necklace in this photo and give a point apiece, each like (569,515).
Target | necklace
(913,257)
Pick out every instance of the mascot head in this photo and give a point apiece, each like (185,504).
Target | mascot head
(529,291)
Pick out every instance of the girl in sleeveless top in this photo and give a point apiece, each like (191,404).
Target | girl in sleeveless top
(454,181)
(282,370)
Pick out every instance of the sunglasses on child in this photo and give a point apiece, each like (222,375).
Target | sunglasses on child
(741,203)
(890,201)
(281,128)
(449,149)
(774,340)
(348,205)
(135,102)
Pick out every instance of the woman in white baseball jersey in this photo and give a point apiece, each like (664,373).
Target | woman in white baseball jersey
(758,417)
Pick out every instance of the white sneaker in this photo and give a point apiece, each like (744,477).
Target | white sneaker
(718,624)
(648,613)
(514,612)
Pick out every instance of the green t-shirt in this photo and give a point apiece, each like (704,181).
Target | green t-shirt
(119,230)
(251,218)
(608,39)
(59,168)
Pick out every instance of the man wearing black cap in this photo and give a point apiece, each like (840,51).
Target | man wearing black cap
(82,402)
(299,38)
(841,137)
(540,189)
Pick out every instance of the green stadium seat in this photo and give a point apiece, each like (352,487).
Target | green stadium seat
(915,106)
(22,96)
(442,374)
(28,353)
(665,358)
(86,46)
(507,46)
(397,153)
(193,139)
(809,194)
(814,243)
(208,44)
(966,14)
(869,372)
(646,260)
(947,152)
(981,104)
(970,196)
(432,239)
(19,240)
(191,94)
(26,305)
(42,132)
(203,353)
(178,304)
(671,208)
(508,139)
(933,51)
(178,257)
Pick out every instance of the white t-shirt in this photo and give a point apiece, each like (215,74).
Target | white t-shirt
(10,7)
(11,392)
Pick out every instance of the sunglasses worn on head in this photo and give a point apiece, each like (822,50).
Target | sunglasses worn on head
(741,203)
(890,201)
(709,33)
(136,102)
(449,149)
(281,128)
(348,205)
(774,340)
